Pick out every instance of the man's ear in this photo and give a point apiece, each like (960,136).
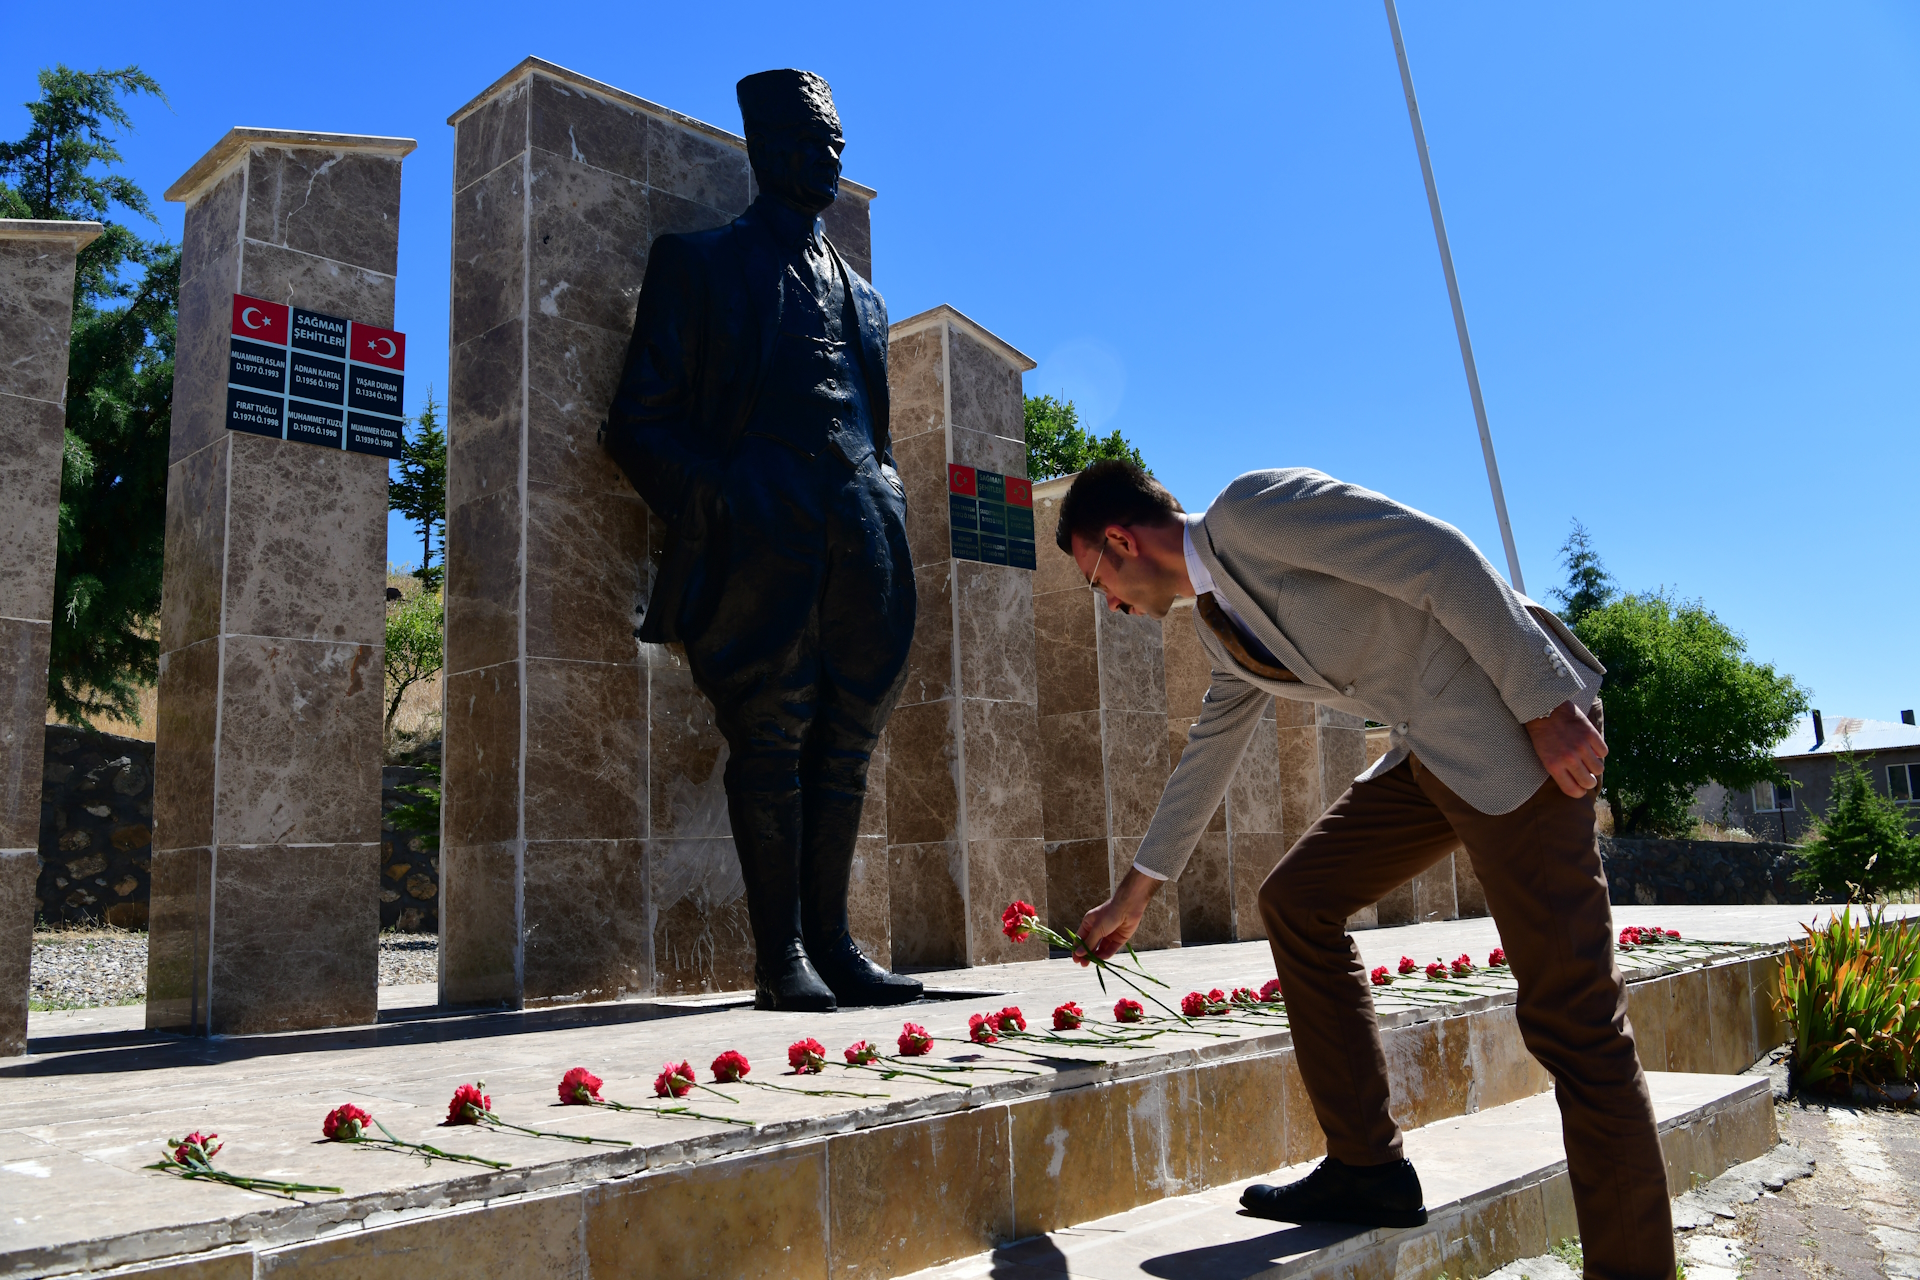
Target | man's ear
(1121,542)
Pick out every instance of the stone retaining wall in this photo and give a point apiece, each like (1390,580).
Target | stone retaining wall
(96,834)
(96,829)
(409,872)
(1688,873)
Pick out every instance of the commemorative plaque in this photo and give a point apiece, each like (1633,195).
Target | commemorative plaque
(991,516)
(315,379)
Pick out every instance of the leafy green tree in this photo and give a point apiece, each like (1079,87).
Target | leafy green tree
(420,492)
(1684,707)
(416,645)
(119,391)
(1861,847)
(1058,446)
(1589,585)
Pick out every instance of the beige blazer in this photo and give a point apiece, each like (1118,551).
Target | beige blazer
(1381,611)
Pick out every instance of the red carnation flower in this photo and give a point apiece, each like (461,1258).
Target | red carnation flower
(1436,970)
(1630,935)
(1245,995)
(676,1080)
(1497,958)
(467,1105)
(1068,1017)
(205,1145)
(860,1053)
(1271,992)
(1462,966)
(1017,920)
(914,1040)
(1407,965)
(807,1057)
(1674,934)
(1193,1004)
(1010,1019)
(580,1088)
(730,1067)
(1125,1010)
(981,1028)
(1381,977)
(345,1123)
(1216,996)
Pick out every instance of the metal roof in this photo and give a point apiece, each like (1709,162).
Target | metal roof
(1847,733)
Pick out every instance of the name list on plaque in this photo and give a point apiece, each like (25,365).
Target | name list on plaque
(991,516)
(316,379)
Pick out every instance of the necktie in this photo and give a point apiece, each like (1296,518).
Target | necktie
(1222,626)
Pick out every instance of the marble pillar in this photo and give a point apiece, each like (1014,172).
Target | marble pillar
(1220,886)
(1103,734)
(586,849)
(266,845)
(36,319)
(964,762)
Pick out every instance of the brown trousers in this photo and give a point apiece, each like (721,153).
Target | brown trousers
(1540,867)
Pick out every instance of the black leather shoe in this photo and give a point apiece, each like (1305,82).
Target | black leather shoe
(1381,1195)
(790,984)
(857,982)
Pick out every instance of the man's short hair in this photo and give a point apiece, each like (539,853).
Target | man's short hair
(1112,491)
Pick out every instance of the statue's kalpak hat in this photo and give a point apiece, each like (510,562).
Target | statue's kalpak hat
(785,98)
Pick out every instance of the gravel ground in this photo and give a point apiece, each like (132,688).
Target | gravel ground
(85,968)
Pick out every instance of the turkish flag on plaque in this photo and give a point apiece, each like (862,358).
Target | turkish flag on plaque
(961,479)
(260,320)
(371,344)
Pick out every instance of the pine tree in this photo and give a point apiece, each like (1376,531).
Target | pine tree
(1861,847)
(1589,585)
(420,492)
(113,482)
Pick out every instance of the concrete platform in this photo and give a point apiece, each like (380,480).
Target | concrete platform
(850,1187)
(1496,1187)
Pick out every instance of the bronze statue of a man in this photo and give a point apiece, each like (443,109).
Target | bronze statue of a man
(752,417)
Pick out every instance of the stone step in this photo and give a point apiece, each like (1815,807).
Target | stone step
(1496,1186)
(927,1172)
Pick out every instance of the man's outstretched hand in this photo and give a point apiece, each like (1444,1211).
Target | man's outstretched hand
(1106,928)
(1570,748)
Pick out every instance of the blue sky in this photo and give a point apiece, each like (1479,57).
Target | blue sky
(1685,235)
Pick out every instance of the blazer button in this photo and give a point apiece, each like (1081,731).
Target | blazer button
(1348,691)
(1401,728)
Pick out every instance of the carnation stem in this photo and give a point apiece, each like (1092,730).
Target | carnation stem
(498,1123)
(814,1093)
(611,1105)
(269,1186)
(431,1152)
(959,1066)
(690,1114)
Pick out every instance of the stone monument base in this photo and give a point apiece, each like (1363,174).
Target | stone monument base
(921,1174)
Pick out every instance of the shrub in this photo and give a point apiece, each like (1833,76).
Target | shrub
(1860,848)
(1852,993)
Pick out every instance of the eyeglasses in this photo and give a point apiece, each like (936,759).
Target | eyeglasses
(1091,584)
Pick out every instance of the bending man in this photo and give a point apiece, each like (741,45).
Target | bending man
(1311,589)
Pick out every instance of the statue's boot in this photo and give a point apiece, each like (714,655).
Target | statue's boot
(766,832)
(832,829)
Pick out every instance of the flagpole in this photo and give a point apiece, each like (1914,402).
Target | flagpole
(1459,311)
